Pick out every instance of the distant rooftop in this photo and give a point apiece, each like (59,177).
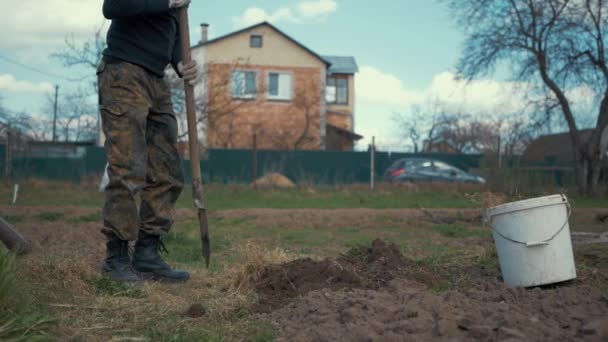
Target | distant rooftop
(342,64)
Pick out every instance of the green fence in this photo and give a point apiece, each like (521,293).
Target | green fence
(314,167)
(235,166)
(318,167)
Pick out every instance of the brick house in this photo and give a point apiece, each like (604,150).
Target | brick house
(260,81)
(556,149)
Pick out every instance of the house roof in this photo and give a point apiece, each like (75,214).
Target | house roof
(352,135)
(342,64)
(264,23)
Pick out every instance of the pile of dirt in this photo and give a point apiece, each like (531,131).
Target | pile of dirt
(407,311)
(377,264)
(361,267)
(278,284)
(374,293)
(275,180)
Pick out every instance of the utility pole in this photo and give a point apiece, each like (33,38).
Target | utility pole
(55,114)
(499,143)
(372,152)
(254,159)
(8,153)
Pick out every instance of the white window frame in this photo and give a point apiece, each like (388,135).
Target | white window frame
(244,96)
(279,97)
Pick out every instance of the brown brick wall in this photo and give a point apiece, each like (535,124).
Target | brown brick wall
(340,120)
(279,124)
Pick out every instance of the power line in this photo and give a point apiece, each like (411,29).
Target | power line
(42,72)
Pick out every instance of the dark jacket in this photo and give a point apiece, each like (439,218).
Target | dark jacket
(143,32)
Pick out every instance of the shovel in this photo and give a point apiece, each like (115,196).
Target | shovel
(197,185)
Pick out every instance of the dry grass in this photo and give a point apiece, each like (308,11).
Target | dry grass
(274,180)
(254,258)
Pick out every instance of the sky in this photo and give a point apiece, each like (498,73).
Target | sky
(406,51)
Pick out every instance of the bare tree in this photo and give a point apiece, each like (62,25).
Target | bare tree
(411,127)
(215,111)
(306,101)
(87,55)
(76,117)
(558,43)
(22,125)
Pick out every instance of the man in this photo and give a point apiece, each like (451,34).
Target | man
(141,133)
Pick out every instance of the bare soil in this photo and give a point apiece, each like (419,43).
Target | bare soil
(406,311)
(361,267)
(374,294)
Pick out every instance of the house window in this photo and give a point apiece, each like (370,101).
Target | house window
(279,86)
(336,90)
(256,41)
(244,84)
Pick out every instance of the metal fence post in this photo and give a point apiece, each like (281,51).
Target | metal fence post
(254,160)
(8,154)
(372,163)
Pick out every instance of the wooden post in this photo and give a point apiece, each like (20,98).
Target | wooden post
(372,163)
(499,151)
(254,159)
(7,156)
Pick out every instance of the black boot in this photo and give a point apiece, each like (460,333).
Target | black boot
(117,265)
(148,262)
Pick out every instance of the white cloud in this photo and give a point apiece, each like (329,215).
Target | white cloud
(380,94)
(29,23)
(312,9)
(317,8)
(254,15)
(10,83)
(374,85)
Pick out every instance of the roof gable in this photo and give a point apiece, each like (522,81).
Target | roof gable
(265,23)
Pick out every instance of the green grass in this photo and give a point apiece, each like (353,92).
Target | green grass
(459,231)
(20,320)
(252,331)
(14,219)
(94,217)
(221,197)
(49,216)
(104,286)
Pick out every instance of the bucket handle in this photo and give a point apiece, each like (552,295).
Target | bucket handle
(536,243)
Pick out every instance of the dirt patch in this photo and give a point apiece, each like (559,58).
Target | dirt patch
(374,293)
(405,311)
(278,284)
(361,267)
(583,238)
(337,218)
(196,311)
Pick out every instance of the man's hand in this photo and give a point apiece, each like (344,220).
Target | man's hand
(178,3)
(189,71)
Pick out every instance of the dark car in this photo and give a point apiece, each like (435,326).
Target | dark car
(428,170)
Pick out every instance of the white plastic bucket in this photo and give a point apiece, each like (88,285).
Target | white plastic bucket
(533,240)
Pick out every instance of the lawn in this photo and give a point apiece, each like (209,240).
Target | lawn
(220,197)
(249,228)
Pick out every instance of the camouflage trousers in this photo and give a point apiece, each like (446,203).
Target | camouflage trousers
(141,136)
